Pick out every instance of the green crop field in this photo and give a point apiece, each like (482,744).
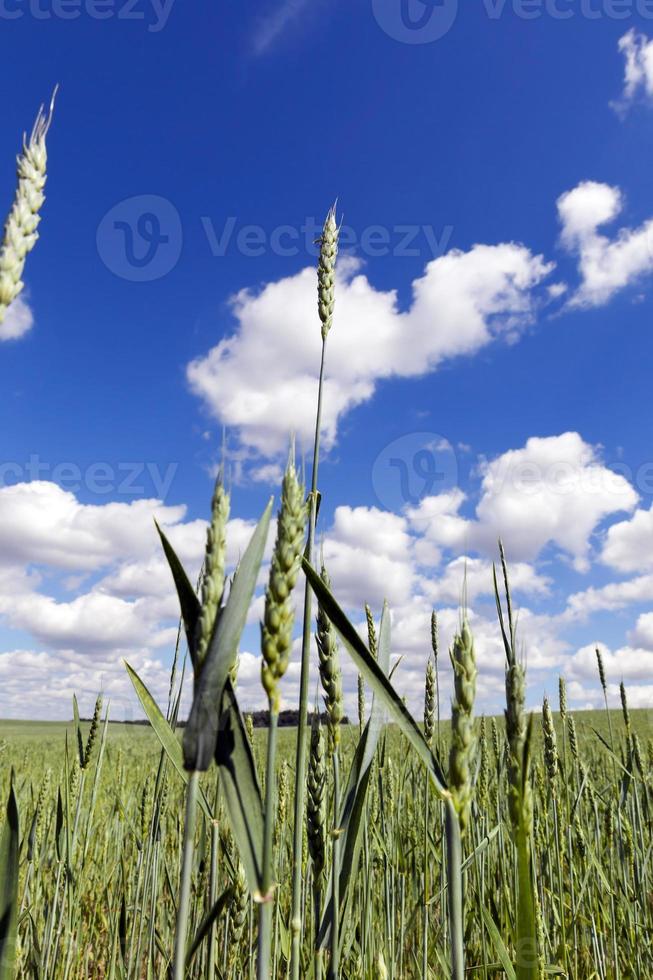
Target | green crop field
(100,855)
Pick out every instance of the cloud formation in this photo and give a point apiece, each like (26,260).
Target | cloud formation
(553,491)
(261,381)
(605,265)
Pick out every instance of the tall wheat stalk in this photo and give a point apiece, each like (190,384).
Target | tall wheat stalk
(326,294)
(520,796)
(276,642)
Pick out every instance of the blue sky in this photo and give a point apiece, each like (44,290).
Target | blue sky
(492,322)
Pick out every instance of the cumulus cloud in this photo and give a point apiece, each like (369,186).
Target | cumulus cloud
(626,663)
(40,684)
(613,596)
(628,545)
(469,578)
(261,381)
(18,320)
(606,265)
(554,490)
(40,523)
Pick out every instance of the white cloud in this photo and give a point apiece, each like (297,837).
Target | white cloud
(89,622)
(584,695)
(472,577)
(262,380)
(613,596)
(627,663)
(605,265)
(642,634)
(554,490)
(369,554)
(18,320)
(40,684)
(42,524)
(628,545)
(637,50)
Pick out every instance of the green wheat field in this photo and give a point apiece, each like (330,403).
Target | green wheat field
(117,828)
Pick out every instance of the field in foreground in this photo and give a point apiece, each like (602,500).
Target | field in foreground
(100,857)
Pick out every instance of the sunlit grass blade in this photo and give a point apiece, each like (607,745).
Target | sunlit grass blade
(164,732)
(240,786)
(9,849)
(188,600)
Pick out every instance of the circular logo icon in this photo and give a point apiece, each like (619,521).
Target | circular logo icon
(415,21)
(415,466)
(140,238)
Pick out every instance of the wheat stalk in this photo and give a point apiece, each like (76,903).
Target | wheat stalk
(276,641)
(326,293)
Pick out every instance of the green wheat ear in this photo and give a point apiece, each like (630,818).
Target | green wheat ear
(316,798)
(276,629)
(213,571)
(20,233)
(326,271)
(329,667)
(462,722)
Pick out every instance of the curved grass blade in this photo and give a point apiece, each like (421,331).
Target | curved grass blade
(9,848)
(164,732)
(373,674)
(240,786)
(498,943)
(214,913)
(353,806)
(202,728)
(188,600)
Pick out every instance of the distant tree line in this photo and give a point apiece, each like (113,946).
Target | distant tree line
(260,719)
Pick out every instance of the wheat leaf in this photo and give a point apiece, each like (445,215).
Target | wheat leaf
(202,727)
